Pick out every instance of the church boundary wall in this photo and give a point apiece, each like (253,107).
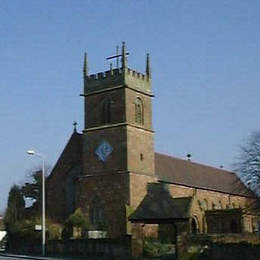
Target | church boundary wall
(220,247)
(90,249)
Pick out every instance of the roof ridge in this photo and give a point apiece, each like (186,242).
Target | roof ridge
(77,133)
(187,197)
(196,163)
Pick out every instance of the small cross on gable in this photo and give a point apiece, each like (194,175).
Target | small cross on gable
(75,126)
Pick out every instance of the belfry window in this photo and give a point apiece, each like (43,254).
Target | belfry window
(139,113)
(106,113)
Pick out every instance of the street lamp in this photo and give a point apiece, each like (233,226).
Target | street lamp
(32,152)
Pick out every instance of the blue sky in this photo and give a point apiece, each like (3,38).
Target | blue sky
(205,60)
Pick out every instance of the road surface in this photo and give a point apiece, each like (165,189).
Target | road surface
(8,258)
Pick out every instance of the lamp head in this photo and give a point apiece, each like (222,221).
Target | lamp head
(31,152)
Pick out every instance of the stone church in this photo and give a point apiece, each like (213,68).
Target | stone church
(113,174)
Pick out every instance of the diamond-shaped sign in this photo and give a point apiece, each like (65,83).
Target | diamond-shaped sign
(104,150)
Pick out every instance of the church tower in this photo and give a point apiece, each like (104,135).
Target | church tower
(118,144)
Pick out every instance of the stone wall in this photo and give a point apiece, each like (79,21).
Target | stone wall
(94,108)
(204,200)
(140,155)
(220,247)
(131,96)
(62,180)
(224,221)
(138,188)
(92,248)
(112,191)
(115,162)
(102,249)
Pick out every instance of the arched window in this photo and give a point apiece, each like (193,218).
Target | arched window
(71,189)
(194,226)
(139,113)
(234,227)
(219,205)
(97,213)
(106,113)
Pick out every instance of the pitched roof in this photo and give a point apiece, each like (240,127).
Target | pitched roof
(158,205)
(67,168)
(188,173)
(70,157)
(168,169)
(254,207)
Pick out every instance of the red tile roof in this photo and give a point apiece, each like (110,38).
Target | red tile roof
(188,173)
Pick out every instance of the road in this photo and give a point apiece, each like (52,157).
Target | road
(23,257)
(8,258)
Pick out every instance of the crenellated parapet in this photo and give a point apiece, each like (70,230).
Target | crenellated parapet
(137,80)
(119,77)
(116,72)
(105,74)
(103,80)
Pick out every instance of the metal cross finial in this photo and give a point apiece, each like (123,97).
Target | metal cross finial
(75,126)
(117,56)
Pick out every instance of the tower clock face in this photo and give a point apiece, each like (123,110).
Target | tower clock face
(104,150)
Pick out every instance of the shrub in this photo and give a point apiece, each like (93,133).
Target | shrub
(77,223)
(153,248)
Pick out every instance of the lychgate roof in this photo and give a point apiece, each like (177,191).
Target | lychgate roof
(158,206)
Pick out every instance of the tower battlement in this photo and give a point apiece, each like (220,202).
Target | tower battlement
(116,72)
(117,77)
(123,76)
(102,75)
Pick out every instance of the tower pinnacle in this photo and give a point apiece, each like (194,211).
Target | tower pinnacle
(148,67)
(124,60)
(85,66)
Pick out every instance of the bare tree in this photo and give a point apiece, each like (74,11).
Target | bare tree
(248,162)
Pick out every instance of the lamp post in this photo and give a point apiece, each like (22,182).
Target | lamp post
(32,152)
